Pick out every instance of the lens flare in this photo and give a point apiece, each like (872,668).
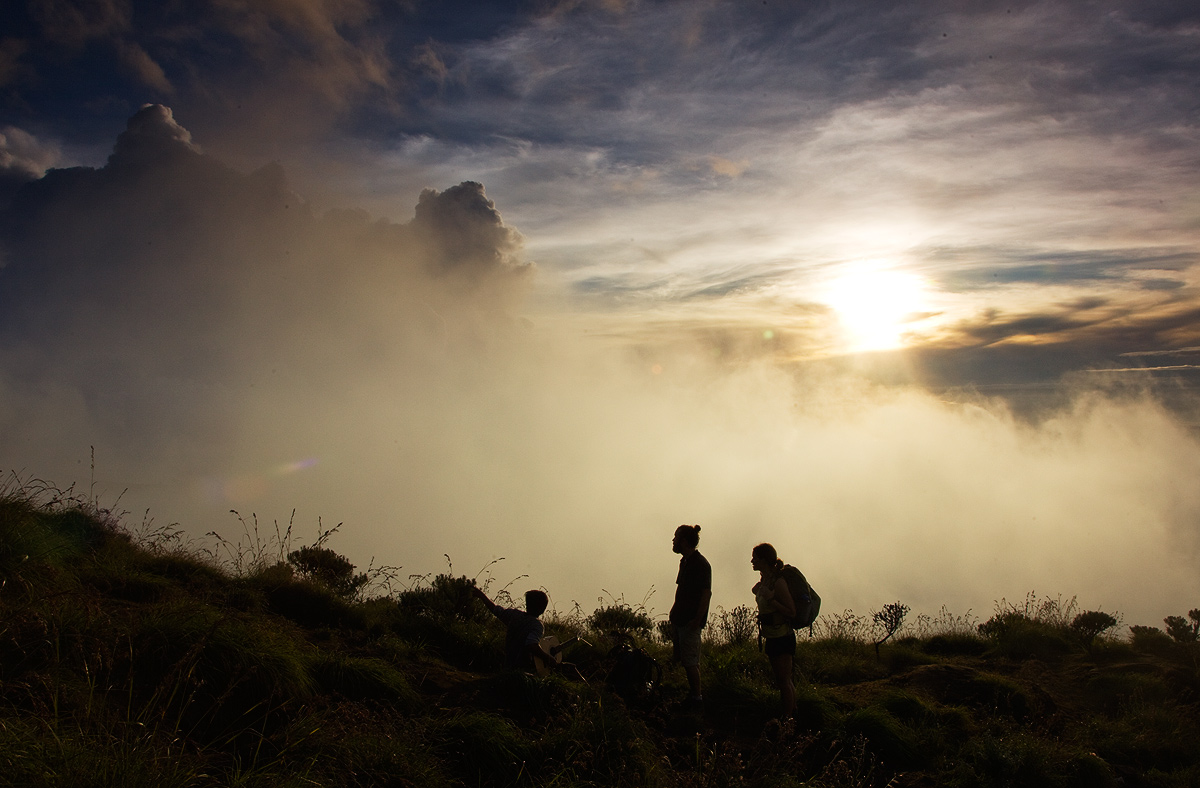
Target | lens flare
(248,487)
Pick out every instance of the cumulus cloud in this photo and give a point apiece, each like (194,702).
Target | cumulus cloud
(23,158)
(165,278)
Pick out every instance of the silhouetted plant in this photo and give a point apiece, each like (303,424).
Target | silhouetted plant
(252,551)
(737,625)
(1183,631)
(1013,633)
(1089,624)
(944,623)
(445,598)
(1150,639)
(847,626)
(324,566)
(889,620)
(621,620)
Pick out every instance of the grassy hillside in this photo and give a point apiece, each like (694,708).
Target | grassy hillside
(128,659)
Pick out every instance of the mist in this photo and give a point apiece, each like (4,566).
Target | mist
(222,345)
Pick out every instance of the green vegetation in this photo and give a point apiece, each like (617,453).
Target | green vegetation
(129,658)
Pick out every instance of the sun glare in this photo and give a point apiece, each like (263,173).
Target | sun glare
(875,303)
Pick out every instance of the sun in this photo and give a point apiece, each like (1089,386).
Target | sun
(875,303)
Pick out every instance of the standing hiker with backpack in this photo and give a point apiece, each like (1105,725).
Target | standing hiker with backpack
(776,612)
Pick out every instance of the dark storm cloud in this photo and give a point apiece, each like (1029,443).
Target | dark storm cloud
(158,286)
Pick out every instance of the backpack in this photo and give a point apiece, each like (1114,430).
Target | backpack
(804,597)
(635,675)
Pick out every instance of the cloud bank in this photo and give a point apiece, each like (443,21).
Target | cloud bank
(223,345)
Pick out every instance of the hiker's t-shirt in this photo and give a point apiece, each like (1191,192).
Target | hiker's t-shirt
(523,631)
(695,577)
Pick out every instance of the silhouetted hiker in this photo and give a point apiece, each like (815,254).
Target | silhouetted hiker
(776,609)
(689,614)
(522,641)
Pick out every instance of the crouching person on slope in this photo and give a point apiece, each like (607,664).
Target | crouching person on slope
(523,630)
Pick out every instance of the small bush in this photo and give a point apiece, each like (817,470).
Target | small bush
(445,599)
(1151,640)
(1013,634)
(1088,625)
(887,622)
(733,626)
(1182,630)
(311,605)
(324,566)
(620,620)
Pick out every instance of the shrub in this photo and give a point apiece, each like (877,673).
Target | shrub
(1183,631)
(888,622)
(1090,624)
(620,620)
(1151,640)
(1014,634)
(737,625)
(324,566)
(311,604)
(445,599)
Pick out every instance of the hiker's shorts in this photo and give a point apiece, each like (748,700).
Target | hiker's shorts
(687,645)
(784,645)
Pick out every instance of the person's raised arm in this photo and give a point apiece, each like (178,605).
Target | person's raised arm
(492,607)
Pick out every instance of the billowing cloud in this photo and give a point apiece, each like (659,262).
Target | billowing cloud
(23,158)
(168,268)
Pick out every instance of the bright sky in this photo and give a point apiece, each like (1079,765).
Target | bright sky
(908,289)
